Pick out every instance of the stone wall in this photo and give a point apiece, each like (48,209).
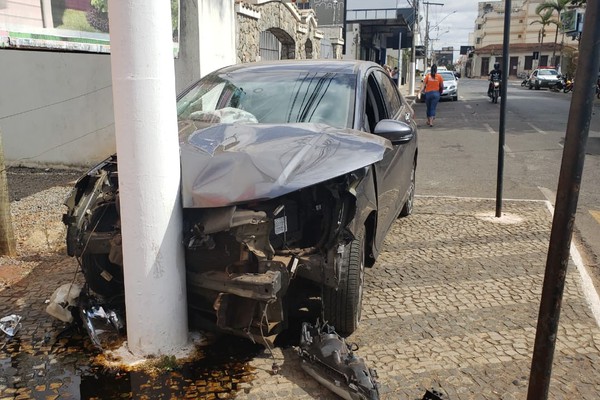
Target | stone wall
(295,29)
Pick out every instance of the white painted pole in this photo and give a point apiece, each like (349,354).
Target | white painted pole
(149,176)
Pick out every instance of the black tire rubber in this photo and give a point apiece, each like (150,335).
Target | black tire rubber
(407,209)
(342,307)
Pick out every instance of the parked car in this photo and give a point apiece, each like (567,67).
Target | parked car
(290,170)
(450,85)
(543,77)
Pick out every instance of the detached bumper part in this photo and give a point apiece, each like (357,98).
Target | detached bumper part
(330,360)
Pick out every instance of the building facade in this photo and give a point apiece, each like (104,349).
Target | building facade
(531,43)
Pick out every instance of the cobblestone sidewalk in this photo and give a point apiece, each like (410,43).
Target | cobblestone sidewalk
(451,303)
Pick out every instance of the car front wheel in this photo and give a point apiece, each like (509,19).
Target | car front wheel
(342,307)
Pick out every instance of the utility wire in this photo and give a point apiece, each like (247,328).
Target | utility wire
(55,103)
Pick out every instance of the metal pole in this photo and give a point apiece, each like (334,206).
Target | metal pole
(413,50)
(503,90)
(567,195)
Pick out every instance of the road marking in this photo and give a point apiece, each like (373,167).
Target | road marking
(595,215)
(489,129)
(589,291)
(508,151)
(538,130)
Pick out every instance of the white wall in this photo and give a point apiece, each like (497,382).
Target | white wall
(217,41)
(56,108)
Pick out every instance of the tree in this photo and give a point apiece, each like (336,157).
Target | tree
(7,238)
(549,6)
(545,20)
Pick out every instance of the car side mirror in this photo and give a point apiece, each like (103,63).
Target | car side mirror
(397,132)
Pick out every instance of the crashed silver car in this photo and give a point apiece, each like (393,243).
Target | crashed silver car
(291,172)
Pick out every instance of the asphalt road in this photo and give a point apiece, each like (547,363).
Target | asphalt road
(459,155)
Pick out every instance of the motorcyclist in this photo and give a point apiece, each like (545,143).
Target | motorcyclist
(495,76)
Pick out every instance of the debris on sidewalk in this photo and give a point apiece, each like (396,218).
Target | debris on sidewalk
(10,324)
(433,395)
(63,300)
(98,321)
(331,361)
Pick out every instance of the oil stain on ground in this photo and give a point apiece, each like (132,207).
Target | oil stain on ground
(63,370)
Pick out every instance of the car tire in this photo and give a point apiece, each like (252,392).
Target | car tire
(407,209)
(455,98)
(537,86)
(530,86)
(342,307)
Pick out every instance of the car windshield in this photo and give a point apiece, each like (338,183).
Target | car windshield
(270,97)
(447,76)
(547,72)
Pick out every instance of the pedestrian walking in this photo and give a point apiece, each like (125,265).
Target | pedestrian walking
(395,75)
(432,87)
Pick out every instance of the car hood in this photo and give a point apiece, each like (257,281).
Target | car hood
(232,163)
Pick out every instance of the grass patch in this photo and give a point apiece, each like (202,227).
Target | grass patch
(76,20)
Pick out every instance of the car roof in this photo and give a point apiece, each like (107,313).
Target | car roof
(337,66)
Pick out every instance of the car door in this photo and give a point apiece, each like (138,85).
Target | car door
(392,174)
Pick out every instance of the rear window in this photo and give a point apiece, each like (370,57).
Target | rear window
(547,72)
(448,76)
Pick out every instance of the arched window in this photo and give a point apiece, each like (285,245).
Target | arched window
(309,49)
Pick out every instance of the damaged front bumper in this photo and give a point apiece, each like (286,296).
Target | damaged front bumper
(240,259)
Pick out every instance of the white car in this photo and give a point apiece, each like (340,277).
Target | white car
(450,86)
(543,77)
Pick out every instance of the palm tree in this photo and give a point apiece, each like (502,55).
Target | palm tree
(550,6)
(545,20)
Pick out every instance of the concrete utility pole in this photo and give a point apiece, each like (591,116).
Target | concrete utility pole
(149,175)
(427,4)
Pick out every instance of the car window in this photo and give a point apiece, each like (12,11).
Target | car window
(271,97)
(448,76)
(389,92)
(547,72)
(374,106)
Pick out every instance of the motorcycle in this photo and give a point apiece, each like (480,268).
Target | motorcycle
(495,93)
(598,89)
(568,85)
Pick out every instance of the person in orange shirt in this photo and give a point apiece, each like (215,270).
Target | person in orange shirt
(433,86)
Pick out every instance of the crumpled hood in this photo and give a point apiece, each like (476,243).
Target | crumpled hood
(231,163)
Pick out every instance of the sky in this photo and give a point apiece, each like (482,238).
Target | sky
(450,24)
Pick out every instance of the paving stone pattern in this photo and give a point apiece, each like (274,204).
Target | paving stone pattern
(451,303)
